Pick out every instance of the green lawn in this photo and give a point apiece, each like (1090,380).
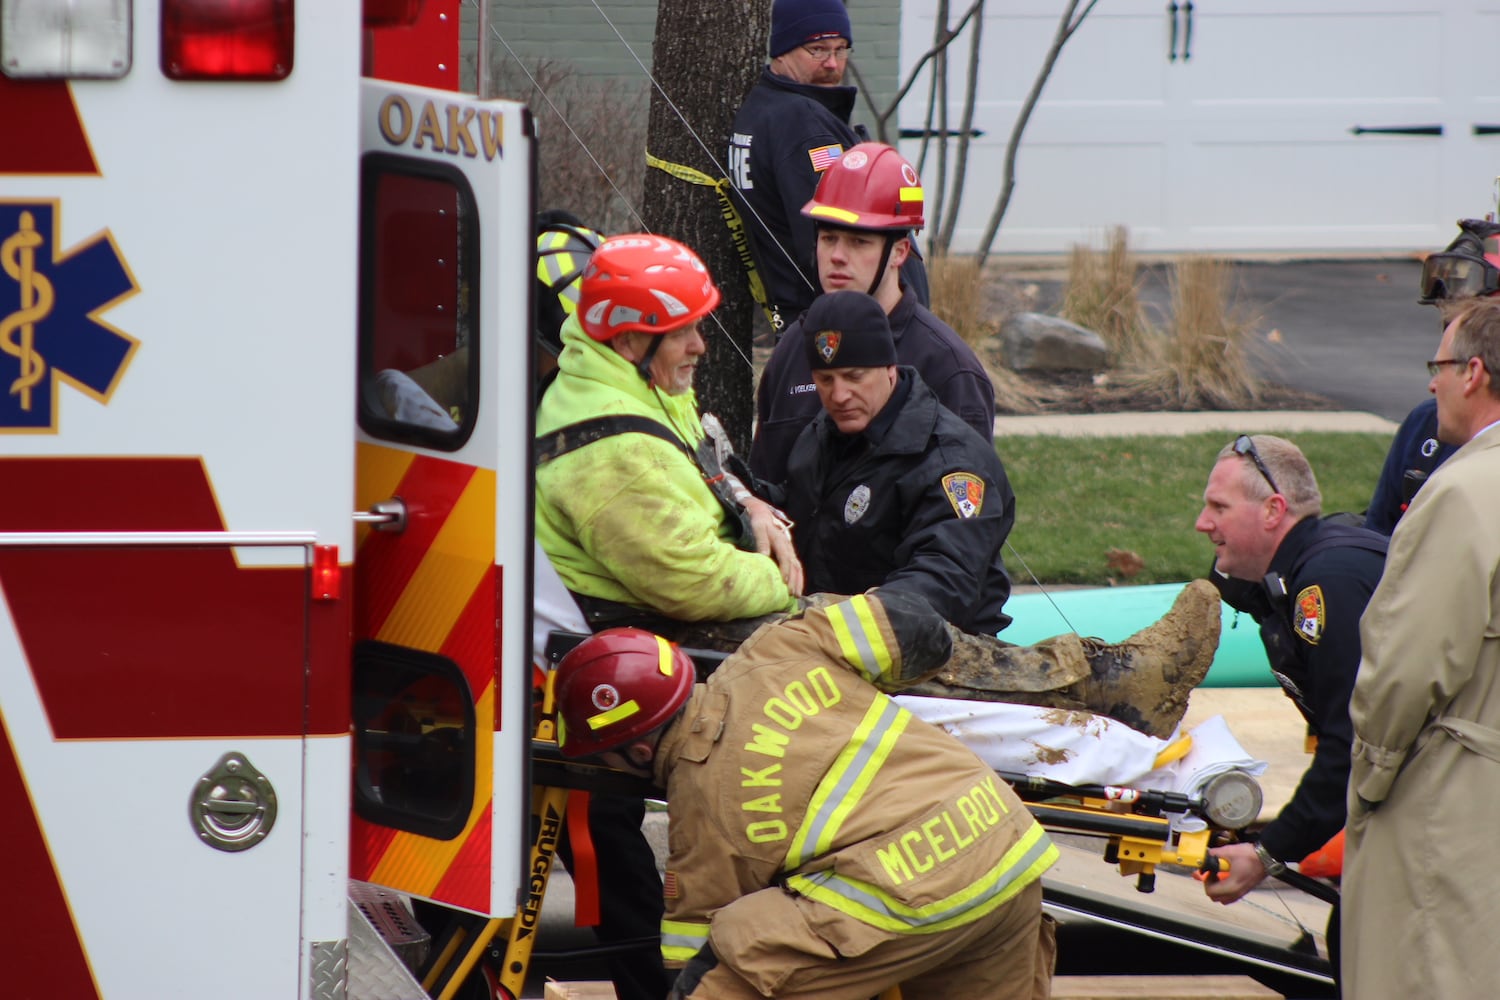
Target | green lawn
(1078,498)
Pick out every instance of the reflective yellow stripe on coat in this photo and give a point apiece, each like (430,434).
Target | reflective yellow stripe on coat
(859,638)
(843,787)
(682,939)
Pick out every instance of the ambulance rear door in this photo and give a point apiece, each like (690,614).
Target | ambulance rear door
(441,659)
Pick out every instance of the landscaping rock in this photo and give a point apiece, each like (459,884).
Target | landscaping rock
(1038,342)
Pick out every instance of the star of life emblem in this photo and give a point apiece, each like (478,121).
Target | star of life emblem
(857,504)
(50,331)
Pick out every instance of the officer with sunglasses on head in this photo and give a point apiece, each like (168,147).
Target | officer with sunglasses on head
(1467,268)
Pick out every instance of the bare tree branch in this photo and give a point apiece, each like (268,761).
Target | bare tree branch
(1066,26)
(965,131)
(943,41)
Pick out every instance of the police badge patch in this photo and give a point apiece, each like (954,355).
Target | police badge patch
(826,343)
(1307,614)
(857,504)
(965,492)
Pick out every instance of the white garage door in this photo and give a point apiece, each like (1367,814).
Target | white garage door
(1231,125)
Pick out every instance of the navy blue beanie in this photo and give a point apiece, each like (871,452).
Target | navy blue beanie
(797,22)
(847,330)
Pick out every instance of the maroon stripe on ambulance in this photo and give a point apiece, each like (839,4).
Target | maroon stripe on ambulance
(143,643)
(430,488)
(35,922)
(40,132)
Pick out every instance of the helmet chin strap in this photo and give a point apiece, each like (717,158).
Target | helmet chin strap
(885,258)
(643,366)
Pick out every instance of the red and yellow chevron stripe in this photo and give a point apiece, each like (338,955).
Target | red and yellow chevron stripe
(433,587)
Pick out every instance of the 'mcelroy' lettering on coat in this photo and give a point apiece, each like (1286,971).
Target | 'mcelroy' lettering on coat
(940,838)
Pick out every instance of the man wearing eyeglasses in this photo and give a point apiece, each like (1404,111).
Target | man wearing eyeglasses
(1426,708)
(1466,268)
(1306,582)
(793,126)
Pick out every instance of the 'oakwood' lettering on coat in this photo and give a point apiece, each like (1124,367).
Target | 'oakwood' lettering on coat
(785,713)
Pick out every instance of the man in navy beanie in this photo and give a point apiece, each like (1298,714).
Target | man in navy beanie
(794,125)
(887,487)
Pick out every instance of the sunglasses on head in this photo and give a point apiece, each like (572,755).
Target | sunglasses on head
(1243,445)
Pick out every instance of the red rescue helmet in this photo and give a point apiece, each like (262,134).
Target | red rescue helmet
(617,686)
(643,284)
(871,186)
(1469,266)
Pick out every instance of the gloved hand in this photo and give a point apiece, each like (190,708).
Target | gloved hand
(693,972)
(921,633)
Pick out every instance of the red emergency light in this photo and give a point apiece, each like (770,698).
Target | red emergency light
(326,573)
(227,39)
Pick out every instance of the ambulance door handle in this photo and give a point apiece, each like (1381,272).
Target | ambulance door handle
(387,515)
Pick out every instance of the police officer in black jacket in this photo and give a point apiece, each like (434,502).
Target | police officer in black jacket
(888,488)
(1305,580)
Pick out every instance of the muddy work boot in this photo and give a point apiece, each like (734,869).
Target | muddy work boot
(1145,681)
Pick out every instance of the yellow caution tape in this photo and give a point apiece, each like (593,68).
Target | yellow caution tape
(732,219)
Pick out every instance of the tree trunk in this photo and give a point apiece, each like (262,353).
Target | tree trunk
(705,59)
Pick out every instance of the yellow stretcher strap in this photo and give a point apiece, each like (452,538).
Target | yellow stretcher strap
(1175,750)
(732,219)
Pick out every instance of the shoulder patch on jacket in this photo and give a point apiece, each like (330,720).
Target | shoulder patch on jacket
(965,492)
(1307,614)
(824,157)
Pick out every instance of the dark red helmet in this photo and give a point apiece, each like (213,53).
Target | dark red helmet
(643,284)
(616,686)
(871,186)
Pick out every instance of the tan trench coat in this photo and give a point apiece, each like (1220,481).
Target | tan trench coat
(1421,882)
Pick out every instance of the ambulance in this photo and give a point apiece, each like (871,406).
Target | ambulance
(265,439)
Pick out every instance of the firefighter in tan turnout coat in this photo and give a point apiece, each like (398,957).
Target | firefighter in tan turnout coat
(823,841)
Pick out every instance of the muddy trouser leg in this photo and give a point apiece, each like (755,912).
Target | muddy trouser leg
(1143,682)
(630,894)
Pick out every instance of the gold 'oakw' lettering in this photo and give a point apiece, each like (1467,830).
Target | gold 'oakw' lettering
(450,131)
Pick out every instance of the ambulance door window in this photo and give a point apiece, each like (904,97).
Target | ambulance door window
(414,740)
(419,290)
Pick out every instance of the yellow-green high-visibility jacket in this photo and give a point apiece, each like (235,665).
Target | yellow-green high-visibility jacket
(789,766)
(629,518)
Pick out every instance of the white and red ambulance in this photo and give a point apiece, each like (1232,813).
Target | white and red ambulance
(263,619)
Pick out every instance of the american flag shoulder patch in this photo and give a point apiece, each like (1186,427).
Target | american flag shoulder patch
(824,157)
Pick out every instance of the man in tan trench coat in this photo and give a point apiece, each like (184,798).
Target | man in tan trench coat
(1420,890)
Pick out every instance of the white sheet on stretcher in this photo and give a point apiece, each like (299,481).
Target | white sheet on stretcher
(1080,748)
(1077,748)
